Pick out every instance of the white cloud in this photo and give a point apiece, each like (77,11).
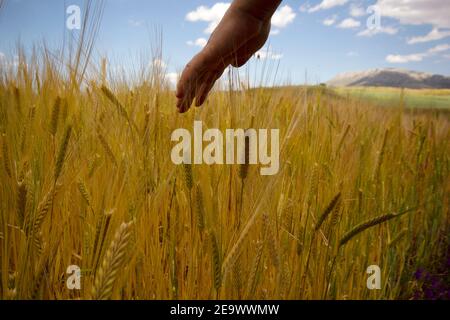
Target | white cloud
(268,53)
(200,42)
(211,15)
(349,23)
(352,54)
(304,7)
(371,32)
(439,48)
(395,58)
(135,23)
(274,32)
(416,57)
(9,61)
(357,11)
(329,21)
(283,16)
(417,12)
(327,4)
(433,35)
(172,78)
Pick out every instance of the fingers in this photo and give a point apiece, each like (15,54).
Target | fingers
(184,103)
(196,81)
(187,85)
(205,88)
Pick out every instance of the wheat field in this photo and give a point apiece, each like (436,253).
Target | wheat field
(87,180)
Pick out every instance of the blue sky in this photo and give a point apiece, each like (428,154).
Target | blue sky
(319,37)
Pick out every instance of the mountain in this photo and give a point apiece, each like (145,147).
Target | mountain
(391,77)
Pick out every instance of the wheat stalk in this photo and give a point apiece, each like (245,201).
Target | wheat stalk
(62,152)
(55,116)
(65,109)
(100,236)
(106,147)
(217,274)
(33,224)
(335,216)
(237,277)
(21,201)
(16,91)
(188,179)
(381,155)
(243,168)
(43,208)
(5,152)
(199,209)
(235,251)
(399,237)
(83,191)
(271,242)
(93,165)
(314,182)
(327,211)
(342,139)
(252,278)
(112,263)
(368,224)
(122,111)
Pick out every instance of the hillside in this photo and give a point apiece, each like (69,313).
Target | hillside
(390,77)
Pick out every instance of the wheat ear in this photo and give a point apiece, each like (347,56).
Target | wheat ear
(62,152)
(55,116)
(112,263)
(107,148)
(235,251)
(21,201)
(188,179)
(217,274)
(83,191)
(6,156)
(122,111)
(199,209)
(327,211)
(368,224)
(252,278)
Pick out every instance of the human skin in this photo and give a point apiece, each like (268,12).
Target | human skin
(242,31)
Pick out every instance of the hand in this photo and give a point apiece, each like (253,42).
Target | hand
(237,37)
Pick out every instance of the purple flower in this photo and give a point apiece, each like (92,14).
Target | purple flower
(418,274)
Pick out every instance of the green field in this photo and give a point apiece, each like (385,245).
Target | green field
(412,98)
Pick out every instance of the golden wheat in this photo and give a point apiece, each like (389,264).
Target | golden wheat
(114,259)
